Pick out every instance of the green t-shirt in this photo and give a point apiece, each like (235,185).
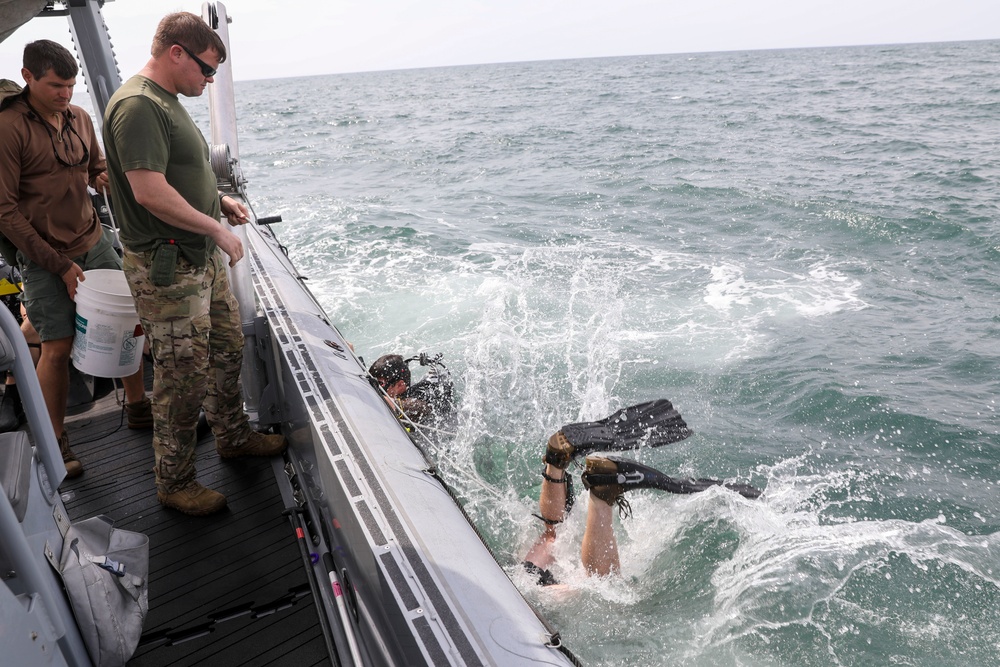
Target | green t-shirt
(146,127)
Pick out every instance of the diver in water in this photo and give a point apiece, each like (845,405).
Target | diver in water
(608,478)
(428,400)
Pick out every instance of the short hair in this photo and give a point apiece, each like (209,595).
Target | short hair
(188,30)
(390,368)
(44,55)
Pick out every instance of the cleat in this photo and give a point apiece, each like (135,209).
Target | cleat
(73,466)
(194,499)
(258,444)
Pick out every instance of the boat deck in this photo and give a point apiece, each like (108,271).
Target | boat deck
(228,589)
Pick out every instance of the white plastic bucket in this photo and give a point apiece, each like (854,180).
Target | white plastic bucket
(108,341)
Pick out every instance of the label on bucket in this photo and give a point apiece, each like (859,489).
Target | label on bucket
(107,347)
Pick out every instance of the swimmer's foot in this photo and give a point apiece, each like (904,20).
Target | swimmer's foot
(608,478)
(651,424)
(559,452)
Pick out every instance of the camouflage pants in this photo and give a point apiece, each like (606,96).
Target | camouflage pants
(196,340)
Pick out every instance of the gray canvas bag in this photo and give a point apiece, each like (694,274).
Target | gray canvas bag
(106,574)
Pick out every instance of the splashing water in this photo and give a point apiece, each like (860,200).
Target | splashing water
(797,248)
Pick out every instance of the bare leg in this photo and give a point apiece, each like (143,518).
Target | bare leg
(552,507)
(552,502)
(599,551)
(53,376)
(135,387)
(31,336)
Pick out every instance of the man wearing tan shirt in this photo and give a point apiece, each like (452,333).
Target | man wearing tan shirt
(48,156)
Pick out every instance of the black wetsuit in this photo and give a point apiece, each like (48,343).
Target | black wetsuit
(428,400)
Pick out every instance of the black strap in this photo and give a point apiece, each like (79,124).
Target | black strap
(564,480)
(568,481)
(550,522)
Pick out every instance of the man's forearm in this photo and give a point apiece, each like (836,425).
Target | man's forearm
(152,192)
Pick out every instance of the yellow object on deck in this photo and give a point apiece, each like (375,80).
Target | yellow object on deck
(7,287)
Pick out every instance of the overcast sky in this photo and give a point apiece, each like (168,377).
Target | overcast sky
(280,38)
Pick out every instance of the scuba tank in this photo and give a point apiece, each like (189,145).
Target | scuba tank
(436,387)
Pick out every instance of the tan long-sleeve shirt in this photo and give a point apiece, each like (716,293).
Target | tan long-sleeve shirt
(45,208)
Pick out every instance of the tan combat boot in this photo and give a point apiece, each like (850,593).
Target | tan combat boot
(258,444)
(73,466)
(140,414)
(559,452)
(193,499)
(602,479)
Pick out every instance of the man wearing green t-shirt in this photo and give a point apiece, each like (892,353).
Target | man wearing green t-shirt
(169,208)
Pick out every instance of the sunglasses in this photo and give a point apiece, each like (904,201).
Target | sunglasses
(69,146)
(206,69)
(70,133)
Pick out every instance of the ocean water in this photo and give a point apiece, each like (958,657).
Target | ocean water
(798,248)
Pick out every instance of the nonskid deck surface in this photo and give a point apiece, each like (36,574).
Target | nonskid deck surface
(228,589)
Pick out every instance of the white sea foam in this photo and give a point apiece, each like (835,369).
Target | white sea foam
(818,291)
(796,567)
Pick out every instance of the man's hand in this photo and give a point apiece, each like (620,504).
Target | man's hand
(70,277)
(101,183)
(235,211)
(230,244)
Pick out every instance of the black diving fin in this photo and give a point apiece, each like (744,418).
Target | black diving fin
(610,476)
(689,485)
(651,424)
